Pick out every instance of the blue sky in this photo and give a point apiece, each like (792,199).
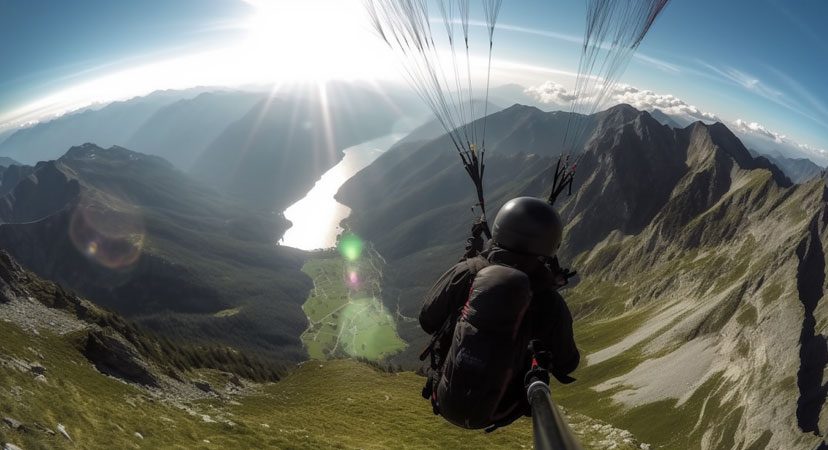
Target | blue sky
(762,62)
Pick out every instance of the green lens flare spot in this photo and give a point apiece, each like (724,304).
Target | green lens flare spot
(350,246)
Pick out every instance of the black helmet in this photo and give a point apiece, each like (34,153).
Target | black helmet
(528,225)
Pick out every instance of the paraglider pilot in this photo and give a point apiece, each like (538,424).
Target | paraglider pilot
(484,312)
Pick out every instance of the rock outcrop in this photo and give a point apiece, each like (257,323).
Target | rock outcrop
(112,355)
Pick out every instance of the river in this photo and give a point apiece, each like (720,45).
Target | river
(316,217)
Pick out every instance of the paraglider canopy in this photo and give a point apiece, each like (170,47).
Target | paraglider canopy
(613,31)
(436,55)
(435,52)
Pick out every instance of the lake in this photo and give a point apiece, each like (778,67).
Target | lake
(316,217)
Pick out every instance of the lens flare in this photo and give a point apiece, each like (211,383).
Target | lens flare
(350,246)
(353,282)
(112,239)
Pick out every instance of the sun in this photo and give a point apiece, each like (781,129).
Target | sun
(312,40)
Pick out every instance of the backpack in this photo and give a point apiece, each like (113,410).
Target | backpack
(438,347)
(474,386)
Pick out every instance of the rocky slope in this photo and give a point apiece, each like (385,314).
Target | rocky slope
(697,316)
(700,308)
(136,235)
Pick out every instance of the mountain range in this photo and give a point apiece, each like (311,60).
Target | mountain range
(761,142)
(263,148)
(181,126)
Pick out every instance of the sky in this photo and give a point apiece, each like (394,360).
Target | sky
(757,65)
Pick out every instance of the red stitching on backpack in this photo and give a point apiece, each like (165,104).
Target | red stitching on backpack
(465,312)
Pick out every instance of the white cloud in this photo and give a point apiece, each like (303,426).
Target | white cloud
(557,94)
(755,128)
(550,92)
(764,140)
(667,103)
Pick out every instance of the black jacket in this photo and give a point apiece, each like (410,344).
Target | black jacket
(551,321)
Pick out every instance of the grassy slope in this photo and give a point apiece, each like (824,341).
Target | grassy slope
(94,409)
(333,404)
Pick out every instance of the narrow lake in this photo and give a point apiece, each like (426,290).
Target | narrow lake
(316,217)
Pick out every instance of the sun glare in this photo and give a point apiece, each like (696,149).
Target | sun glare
(312,40)
(285,41)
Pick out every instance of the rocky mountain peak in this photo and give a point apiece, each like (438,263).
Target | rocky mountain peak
(620,113)
(86,150)
(516,114)
(519,108)
(725,139)
(610,124)
(716,144)
(113,155)
(30,194)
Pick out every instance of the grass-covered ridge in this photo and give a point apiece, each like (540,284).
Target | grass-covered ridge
(331,404)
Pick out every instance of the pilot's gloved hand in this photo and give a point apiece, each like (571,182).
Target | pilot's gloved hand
(474,244)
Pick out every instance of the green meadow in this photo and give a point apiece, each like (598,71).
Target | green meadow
(345,314)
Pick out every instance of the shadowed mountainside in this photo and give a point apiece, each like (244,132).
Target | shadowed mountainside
(136,235)
(6,162)
(813,347)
